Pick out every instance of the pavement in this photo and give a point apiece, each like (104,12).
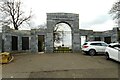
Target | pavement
(60,65)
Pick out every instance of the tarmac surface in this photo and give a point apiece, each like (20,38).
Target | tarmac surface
(60,65)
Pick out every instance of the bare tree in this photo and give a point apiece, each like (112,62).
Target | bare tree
(12,13)
(115,11)
(57,34)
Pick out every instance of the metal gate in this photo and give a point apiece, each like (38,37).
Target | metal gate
(62,39)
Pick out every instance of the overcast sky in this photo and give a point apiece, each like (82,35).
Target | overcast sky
(93,14)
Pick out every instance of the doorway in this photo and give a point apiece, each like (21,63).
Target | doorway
(41,43)
(14,43)
(25,43)
(107,39)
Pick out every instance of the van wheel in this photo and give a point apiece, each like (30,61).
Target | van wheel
(107,56)
(92,52)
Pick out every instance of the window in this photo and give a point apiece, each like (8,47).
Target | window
(113,46)
(25,43)
(85,44)
(117,46)
(103,44)
(14,43)
(96,44)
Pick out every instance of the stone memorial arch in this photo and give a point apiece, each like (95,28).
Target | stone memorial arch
(69,18)
(43,40)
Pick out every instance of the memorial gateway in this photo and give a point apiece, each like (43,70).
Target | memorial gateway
(42,40)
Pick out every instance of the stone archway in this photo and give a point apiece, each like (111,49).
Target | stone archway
(62,38)
(72,20)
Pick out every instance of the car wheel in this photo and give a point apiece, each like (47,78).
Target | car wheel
(92,52)
(107,56)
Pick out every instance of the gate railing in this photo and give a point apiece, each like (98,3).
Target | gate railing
(62,50)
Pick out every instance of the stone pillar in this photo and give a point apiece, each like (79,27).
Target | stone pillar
(0,42)
(49,36)
(33,42)
(76,43)
(75,35)
(102,38)
(49,43)
(19,43)
(7,42)
(6,37)
(114,35)
(114,38)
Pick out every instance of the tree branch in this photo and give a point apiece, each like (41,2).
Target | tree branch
(13,13)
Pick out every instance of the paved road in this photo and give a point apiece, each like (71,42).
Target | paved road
(60,65)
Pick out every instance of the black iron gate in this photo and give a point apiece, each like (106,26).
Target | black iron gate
(62,50)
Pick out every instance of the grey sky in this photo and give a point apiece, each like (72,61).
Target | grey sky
(93,14)
(99,20)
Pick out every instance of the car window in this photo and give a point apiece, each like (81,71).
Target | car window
(85,43)
(113,46)
(104,44)
(96,44)
(110,46)
(117,46)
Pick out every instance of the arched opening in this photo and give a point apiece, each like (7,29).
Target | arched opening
(62,37)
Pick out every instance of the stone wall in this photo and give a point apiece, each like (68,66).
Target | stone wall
(90,34)
(52,19)
(0,42)
(7,34)
(111,33)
